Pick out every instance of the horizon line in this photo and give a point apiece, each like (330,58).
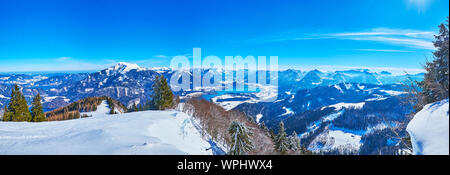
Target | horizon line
(322,68)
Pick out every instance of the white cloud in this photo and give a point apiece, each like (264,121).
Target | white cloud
(161,56)
(63,58)
(409,42)
(382,50)
(417,39)
(390,32)
(403,37)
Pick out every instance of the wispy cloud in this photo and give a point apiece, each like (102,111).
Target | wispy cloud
(408,42)
(404,37)
(161,56)
(63,58)
(382,50)
(390,32)
(400,37)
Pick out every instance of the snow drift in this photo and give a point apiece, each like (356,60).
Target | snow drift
(148,132)
(429,129)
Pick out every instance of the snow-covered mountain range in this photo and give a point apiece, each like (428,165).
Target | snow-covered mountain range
(130,83)
(348,110)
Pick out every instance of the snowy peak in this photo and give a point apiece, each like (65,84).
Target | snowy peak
(123,68)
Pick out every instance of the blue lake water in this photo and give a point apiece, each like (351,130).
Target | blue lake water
(219,93)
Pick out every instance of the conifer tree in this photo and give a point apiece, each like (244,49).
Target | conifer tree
(133,108)
(435,85)
(240,135)
(37,113)
(156,96)
(281,140)
(18,107)
(294,142)
(6,114)
(264,127)
(112,110)
(167,93)
(162,97)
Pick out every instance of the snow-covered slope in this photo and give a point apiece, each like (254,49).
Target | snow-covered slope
(148,132)
(429,130)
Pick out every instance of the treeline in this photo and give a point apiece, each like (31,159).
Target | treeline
(73,110)
(161,99)
(67,116)
(240,132)
(17,110)
(215,122)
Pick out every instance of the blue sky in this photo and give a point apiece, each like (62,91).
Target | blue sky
(73,35)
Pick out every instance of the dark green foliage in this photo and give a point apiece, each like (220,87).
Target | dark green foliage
(436,81)
(134,108)
(18,108)
(240,135)
(162,97)
(141,107)
(37,113)
(162,94)
(5,110)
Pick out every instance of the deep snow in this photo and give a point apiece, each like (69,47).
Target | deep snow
(429,129)
(149,132)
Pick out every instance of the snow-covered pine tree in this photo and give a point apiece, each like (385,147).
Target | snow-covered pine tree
(435,85)
(241,142)
(281,140)
(37,113)
(294,142)
(264,127)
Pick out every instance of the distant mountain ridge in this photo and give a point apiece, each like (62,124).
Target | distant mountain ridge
(314,93)
(131,84)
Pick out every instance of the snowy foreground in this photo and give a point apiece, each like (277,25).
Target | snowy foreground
(429,130)
(148,132)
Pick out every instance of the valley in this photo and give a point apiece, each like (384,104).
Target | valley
(333,112)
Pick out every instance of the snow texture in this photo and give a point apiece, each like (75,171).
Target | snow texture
(429,130)
(339,106)
(335,139)
(147,133)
